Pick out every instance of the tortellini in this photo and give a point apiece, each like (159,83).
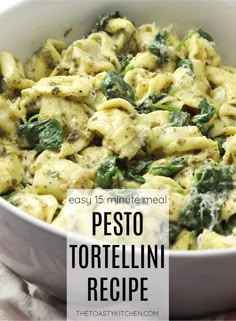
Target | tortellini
(12,72)
(42,207)
(44,61)
(138,96)
(124,132)
(55,177)
(212,240)
(173,140)
(12,172)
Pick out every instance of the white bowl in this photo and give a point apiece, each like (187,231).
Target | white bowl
(201,283)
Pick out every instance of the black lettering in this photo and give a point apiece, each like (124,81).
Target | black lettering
(162,256)
(127,214)
(133,287)
(133,259)
(152,256)
(106,223)
(95,256)
(143,289)
(97,221)
(73,255)
(118,230)
(138,223)
(115,256)
(92,288)
(114,295)
(83,256)
(103,289)
(106,255)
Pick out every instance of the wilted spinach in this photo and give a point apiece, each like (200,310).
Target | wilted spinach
(151,103)
(211,186)
(159,48)
(202,211)
(220,141)
(102,21)
(174,230)
(107,173)
(201,32)
(187,65)
(146,106)
(207,112)
(226,227)
(114,86)
(170,169)
(114,169)
(40,134)
(213,178)
(7,196)
(180,118)
(137,167)
(124,61)
(205,35)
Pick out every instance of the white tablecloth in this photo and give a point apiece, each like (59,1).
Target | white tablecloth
(21,301)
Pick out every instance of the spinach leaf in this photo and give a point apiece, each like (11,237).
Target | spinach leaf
(108,173)
(172,91)
(2,89)
(159,48)
(211,186)
(151,103)
(57,212)
(201,211)
(187,65)
(170,169)
(40,134)
(165,107)
(124,72)
(220,141)
(102,21)
(207,131)
(213,178)
(226,227)
(183,41)
(231,223)
(124,61)
(205,35)
(7,196)
(174,230)
(114,169)
(180,118)
(136,168)
(201,32)
(206,113)
(113,86)
(146,106)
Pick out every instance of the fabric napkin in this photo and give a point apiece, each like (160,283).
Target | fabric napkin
(20,300)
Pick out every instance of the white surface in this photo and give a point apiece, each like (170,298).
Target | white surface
(21,301)
(200,283)
(6,4)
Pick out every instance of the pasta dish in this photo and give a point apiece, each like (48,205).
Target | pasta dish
(124,107)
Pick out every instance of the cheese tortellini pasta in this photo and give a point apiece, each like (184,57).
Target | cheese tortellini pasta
(124,107)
